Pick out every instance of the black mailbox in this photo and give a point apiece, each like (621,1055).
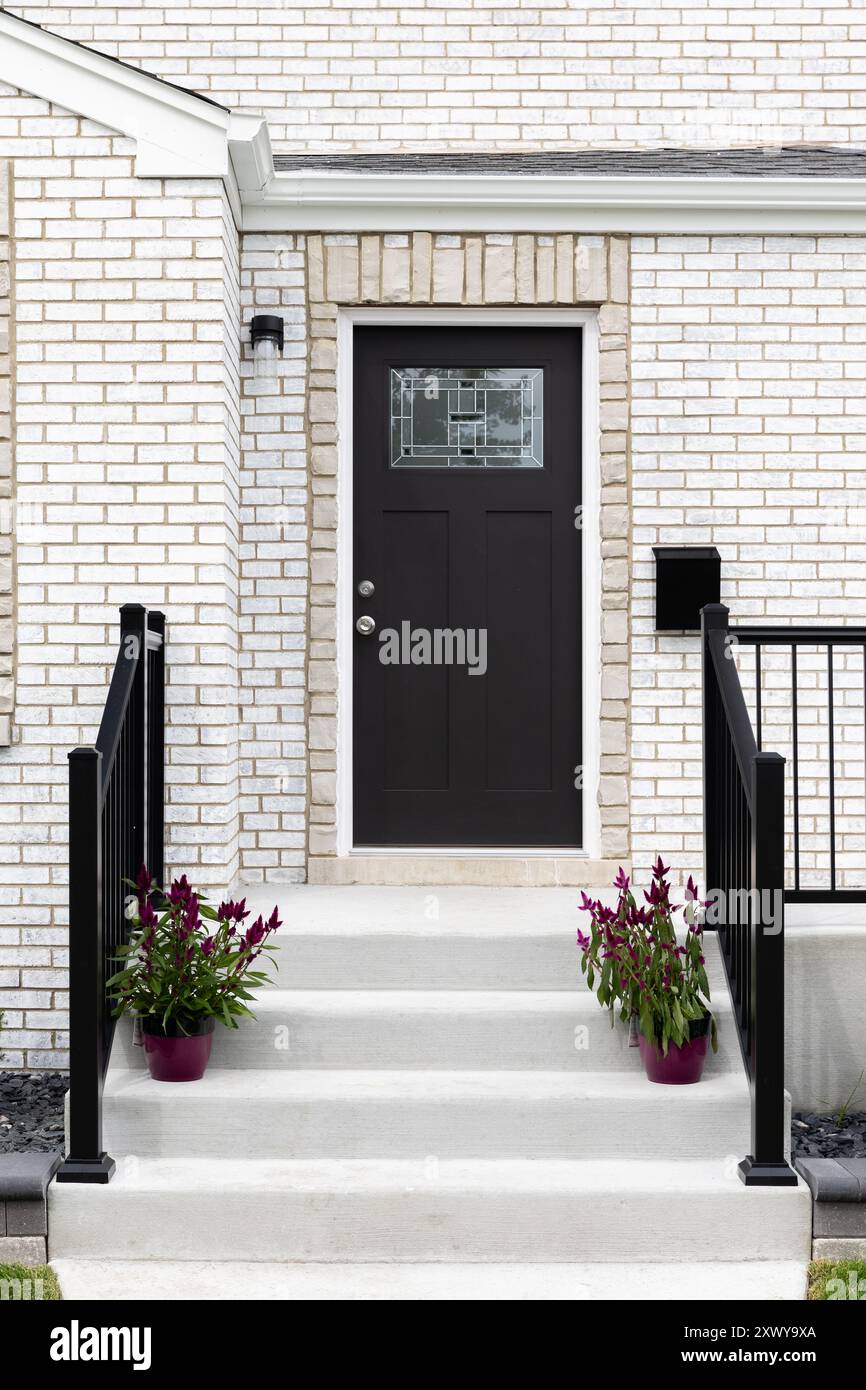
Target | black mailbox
(687,577)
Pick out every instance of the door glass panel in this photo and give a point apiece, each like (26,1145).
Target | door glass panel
(467,417)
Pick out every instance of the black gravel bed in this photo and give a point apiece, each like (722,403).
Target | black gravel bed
(821,1136)
(31,1111)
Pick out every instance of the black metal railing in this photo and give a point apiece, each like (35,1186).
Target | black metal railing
(744,838)
(827,641)
(116,794)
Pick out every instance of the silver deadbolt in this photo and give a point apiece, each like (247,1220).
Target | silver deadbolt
(366,625)
(366,588)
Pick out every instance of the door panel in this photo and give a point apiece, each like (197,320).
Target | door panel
(519,601)
(417,723)
(467,717)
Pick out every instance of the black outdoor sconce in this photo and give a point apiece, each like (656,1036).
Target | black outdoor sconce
(267,335)
(687,578)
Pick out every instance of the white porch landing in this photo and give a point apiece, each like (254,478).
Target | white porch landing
(430,1087)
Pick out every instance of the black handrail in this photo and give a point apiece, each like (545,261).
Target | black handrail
(744,840)
(795,638)
(116,794)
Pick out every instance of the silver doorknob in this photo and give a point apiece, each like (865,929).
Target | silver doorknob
(366,625)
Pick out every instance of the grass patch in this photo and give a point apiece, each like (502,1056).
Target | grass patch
(837,1279)
(29,1281)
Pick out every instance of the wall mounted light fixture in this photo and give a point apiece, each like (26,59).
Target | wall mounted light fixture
(267,335)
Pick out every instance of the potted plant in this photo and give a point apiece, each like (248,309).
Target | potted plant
(637,966)
(188,965)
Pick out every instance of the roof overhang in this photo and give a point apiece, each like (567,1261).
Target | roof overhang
(177,133)
(342,200)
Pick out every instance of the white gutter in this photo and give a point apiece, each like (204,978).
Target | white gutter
(336,200)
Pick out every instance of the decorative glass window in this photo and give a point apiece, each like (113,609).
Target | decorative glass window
(466,417)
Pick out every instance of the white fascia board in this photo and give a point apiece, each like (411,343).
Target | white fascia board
(332,200)
(176,133)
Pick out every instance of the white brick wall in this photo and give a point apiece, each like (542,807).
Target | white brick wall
(748,426)
(127,488)
(274,572)
(150,465)
(344,75)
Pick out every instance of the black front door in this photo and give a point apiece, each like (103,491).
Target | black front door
(467,717)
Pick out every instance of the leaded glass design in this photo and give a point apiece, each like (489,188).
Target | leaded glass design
(467,417)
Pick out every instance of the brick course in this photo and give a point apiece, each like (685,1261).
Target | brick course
(344,76)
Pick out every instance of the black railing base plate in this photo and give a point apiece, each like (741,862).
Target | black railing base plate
(86,1169)
(766,1174)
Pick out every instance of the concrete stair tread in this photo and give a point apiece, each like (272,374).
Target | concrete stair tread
(519,911)
(344,1175)
(442,939)
(425,1210)
(275,998)
(764,1280)
(420,1000)
(247,1084)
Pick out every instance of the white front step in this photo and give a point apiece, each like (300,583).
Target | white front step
(495,1030)
(180,1280)
(430,938)
(434,1106)
(410,1114)
(465,1211)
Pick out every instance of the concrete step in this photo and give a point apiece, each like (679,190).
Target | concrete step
(412,1114)
(431,939)
(505,1211)
(754,1280)
(470,1030)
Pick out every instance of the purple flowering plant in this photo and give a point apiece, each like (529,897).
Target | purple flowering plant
(186,960)
(633,959)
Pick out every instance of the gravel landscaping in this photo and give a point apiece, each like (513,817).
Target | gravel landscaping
(31,1111)
(820,1136)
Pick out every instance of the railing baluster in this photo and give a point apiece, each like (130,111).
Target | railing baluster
(832,759)
(796,752)
(758,696)
(156,750)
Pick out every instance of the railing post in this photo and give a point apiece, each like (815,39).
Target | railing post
(87,1161)
(714,618)
(766,1165)
(156,751)
(133,644)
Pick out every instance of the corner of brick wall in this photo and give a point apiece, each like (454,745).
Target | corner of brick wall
(7,597)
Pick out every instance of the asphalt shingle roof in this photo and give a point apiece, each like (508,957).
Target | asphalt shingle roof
(787,161)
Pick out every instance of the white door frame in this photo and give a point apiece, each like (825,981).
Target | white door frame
(516,317)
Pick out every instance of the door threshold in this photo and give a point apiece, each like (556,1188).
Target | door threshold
(500,869)
(472,851)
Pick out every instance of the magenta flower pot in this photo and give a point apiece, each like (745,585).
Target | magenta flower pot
(682,1066)
(173,1055)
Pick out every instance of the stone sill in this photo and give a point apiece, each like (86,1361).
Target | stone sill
(486,871)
